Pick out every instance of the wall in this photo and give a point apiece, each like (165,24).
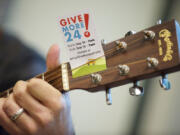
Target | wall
(161,115)
(35,23)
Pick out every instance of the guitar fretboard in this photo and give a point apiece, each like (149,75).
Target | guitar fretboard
(53,77)
(138,52)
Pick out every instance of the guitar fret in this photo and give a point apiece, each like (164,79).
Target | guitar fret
(43,78)
(57,86)
(135,56)
(56,82)
(6,93)
(54,79)
(53,74)
(51,77)
(65,77)
(53,70)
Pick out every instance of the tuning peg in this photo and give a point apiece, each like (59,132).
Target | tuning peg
(103,42)
(96,78)
(121,45)
(123,69)
(159,21)
(131,32)
(136,90)
(149,34)
(164,83)
(108,96)
(152,62)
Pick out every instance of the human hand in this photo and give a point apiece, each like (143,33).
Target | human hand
(47,111)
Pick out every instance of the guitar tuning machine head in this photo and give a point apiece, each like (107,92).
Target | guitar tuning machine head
(103,42)
(123,69)
(96,78)
(149,35)
(136,90)
(131,32)
(108,96)
(152,62)
(159,21)
(164,83)
(121,45)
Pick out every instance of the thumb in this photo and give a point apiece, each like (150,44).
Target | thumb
(52,59)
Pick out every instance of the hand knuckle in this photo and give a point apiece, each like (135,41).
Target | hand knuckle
(19,90)
(19,84)
(19,93)
(40,110)
(61,106)
(32,129)
(6,105)
(45,118)
(58,105)
(33,82)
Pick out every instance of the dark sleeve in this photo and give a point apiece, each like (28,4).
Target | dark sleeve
(17,62)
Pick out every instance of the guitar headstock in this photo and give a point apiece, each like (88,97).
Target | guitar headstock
(152,52)
(148,53)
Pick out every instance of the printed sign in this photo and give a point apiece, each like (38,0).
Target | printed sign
(86,54)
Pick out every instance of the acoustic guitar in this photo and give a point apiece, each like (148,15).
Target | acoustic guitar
(152,52)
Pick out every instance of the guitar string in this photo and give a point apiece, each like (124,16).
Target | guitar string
(130,43)
(106,53)
(115,67)
(59,68)
(114,49)
(56,81)
(38,76)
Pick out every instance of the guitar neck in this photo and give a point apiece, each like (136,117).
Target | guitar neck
(53,77)
(163,47)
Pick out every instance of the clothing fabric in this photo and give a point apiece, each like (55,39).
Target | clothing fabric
(17,62)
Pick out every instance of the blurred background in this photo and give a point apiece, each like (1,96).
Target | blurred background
(157,112)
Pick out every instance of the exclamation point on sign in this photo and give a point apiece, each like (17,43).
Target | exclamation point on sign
(86,19)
